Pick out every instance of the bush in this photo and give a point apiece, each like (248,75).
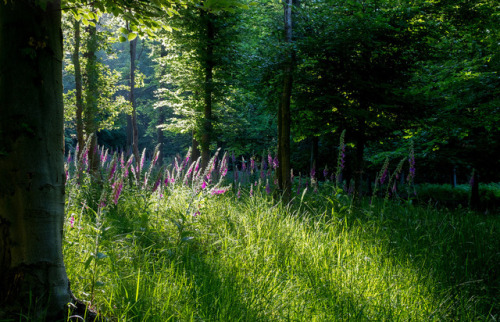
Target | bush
(444,195)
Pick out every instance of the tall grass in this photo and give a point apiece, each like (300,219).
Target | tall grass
(186,252)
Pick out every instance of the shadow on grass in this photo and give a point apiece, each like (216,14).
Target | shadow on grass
(218,292)
(460,250)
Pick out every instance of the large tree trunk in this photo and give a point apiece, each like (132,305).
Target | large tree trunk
(135,132)
(32,272)
(78,88)
(206,136)
(284,134)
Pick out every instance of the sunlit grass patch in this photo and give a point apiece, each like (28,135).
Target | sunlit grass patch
(184,256)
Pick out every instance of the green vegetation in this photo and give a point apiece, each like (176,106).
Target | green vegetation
(187,252)
(398,222)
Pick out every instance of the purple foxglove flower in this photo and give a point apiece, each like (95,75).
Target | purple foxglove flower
(270,160)
(276,163)
(313,172)
(238,195)
(218,191)
(112,172)
(251,191)
(72,221)
(119,186)
(264,164)
(268,188)
(196,214)
(252,164)
(384,176)
(157,183)
(203,185)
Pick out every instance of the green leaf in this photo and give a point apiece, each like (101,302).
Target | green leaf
(132,36)
(88,261)
(122,39)
(123,30)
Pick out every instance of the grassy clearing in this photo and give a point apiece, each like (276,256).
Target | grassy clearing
(253,259)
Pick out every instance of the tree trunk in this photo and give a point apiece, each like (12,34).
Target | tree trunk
(91,99)
(135,132)
(284,134)
(206,136)
(159,135)
(32,272)
(78,88)
(161,118)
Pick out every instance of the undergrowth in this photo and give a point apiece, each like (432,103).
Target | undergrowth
(188,255)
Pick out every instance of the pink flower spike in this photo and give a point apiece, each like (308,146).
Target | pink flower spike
(203,185)
(72,221)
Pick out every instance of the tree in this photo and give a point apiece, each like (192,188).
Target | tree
(197,75)
(284,179)
(31,159)
(133,121)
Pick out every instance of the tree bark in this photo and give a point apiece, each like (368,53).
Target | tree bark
(32,272)
(135,132)
(161,118)
(91,120)
(78,88)
(284,134)
(206,136)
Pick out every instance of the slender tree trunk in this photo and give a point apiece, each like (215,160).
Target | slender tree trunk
(159,135)
(32,272)
(78,88)
(206,136)
(135,132)
(284,134)
(91,120)
(161,118)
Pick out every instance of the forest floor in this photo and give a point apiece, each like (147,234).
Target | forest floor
(183,256)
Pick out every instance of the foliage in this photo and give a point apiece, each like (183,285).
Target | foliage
(190,251)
